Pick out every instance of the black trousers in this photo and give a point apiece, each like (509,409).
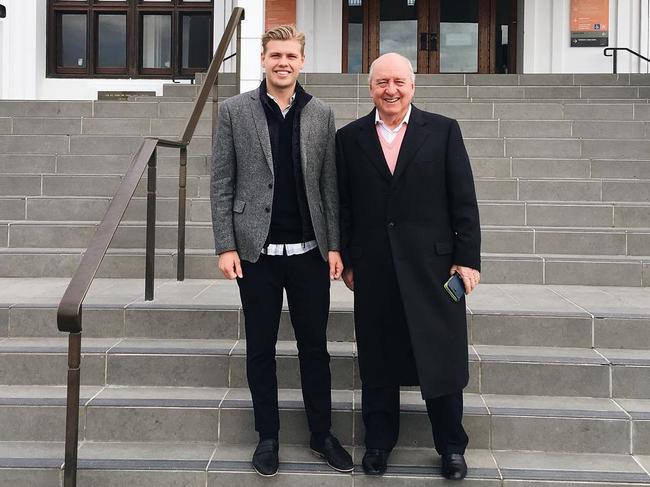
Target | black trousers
(380,411)
(305,278)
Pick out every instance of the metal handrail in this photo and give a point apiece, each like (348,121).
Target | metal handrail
(69,313)
(614,55)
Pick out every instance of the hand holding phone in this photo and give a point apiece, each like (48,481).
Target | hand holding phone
(454,287)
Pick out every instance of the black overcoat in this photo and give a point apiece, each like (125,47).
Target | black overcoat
(401,233)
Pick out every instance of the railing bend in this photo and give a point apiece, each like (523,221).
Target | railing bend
(69,313)
(613,53)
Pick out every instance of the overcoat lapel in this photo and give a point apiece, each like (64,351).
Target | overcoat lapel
(369,142)
(414,139)
(259,118)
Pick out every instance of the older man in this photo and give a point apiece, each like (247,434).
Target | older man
(409,220)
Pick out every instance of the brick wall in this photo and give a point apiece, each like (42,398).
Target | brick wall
(279,12)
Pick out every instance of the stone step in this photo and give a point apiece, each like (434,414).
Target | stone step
(199,236)
(498,314)
(488,79)
(532,189)
(563,190)
(569,79)
(485,147)
(186,90)
(493,212)
(557,269)
(39,116)
(483,167)
(173,127)
(94,185)
(147,414)
(494,369)
(213,464)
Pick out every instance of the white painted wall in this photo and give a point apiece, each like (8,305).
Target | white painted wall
(323,30)
(546,47)
(19,49)
(22,71)
(251,42)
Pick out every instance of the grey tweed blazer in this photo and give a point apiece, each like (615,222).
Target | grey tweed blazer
(241,185)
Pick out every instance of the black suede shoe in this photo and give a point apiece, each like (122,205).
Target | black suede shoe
(454,466)
(331,450)
(375,461)
(265,458)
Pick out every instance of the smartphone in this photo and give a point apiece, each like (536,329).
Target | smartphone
(455,287)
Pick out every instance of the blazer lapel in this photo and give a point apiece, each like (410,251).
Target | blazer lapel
(306,125)
(369,142)
(414,138)
(259,119)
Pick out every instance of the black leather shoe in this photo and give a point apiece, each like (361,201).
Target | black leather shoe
(265,458)
(331,450)
(454,466)
(375,461)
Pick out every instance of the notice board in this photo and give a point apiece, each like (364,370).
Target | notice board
(589,23)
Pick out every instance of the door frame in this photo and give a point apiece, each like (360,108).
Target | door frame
(428,16)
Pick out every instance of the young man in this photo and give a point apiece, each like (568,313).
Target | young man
(275,218)
(409,219)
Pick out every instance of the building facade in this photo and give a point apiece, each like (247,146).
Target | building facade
(73,49)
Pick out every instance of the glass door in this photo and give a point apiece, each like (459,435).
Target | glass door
(437,36)
(457,37)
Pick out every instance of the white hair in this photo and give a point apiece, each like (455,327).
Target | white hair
(408,63)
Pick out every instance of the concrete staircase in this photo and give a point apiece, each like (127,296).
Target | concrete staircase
(559,333)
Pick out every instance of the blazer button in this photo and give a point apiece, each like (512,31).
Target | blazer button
(391,224)
(270,185)
(267,209)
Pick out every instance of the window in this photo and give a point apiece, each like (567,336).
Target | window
(129,38)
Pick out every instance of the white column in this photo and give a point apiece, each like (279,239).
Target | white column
(644,35)
(222,12)
(4,67)
(20,43)
(321,21)
(538,32)
(560,26)
(251,43)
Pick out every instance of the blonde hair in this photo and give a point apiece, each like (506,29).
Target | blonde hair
(284,33)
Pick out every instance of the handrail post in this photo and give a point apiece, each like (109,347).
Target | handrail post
(238,61)
(182,204)
(615,60)
(215,107)
(150,255)
(72,410)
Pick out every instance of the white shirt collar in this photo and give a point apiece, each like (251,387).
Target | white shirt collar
(399,125)
(288,107)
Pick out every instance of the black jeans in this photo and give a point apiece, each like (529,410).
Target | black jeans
(305,278)
(380,411)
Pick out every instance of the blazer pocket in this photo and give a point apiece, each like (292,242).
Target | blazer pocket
(238,206)
(444,248)
(320,207)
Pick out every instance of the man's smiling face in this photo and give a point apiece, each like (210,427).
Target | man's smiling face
(391,86)
(282,62)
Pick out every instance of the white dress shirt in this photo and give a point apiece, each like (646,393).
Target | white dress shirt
(387,133)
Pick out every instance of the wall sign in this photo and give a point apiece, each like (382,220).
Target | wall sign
(589,23)
(122,95)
